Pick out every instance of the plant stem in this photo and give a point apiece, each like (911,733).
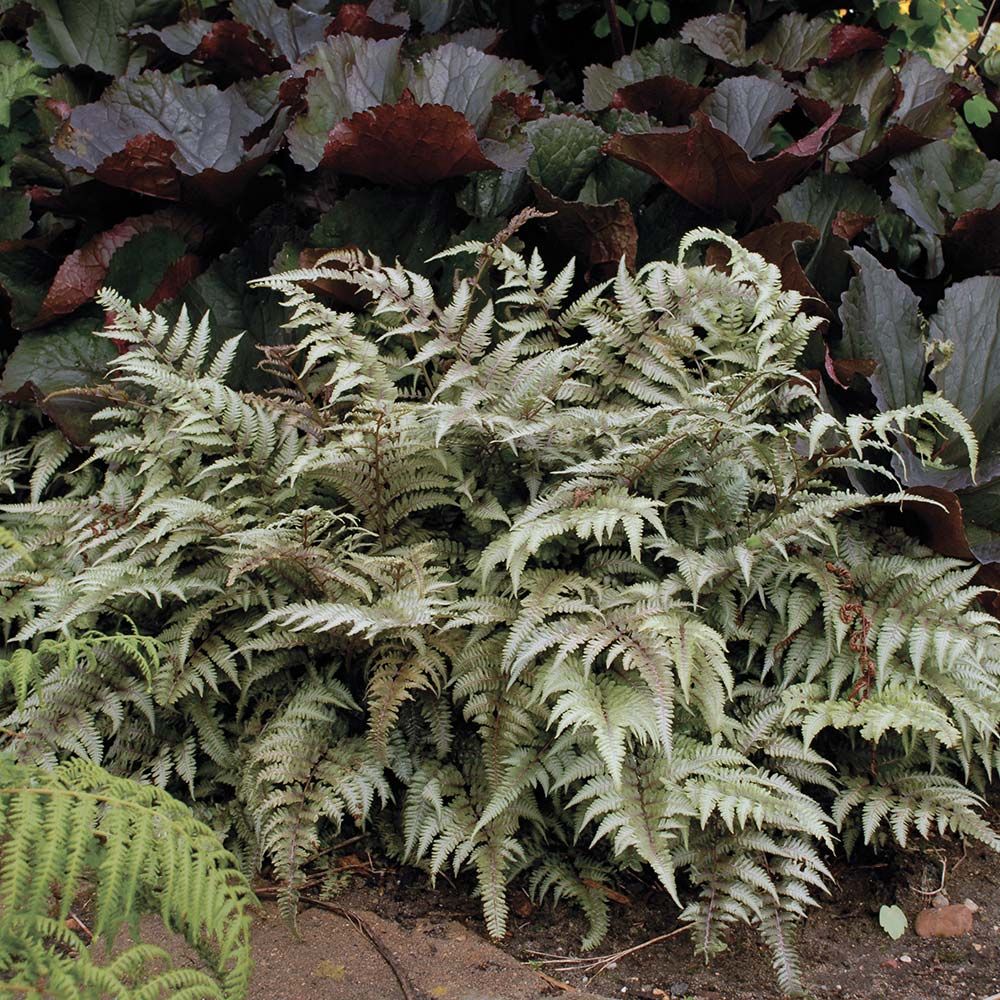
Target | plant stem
(617,42)
(984,27)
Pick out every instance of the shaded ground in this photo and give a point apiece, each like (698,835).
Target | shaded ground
(436,940)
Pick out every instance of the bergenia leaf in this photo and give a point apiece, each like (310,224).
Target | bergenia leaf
(410,226)
(15,215)
(797,42)
(903,112)
(228,44)
(148,133)
(26,272)
(863,81)
(613,180)
(668,98)
(719,36)
(794,43)
(968,319)
(405,144)
(938,181)
(881,320)
(70,33)
(972,244)
(745,108)
(346,74)
(466,79)
(86,270)
(424,119)
(292,31)
(433,15)
(925,106)
(820,197)
(602,235)
(847,40)
(494,195)
(484,39)
(712,170)
(566,150)
(66,356)
(947,522)
(172,282)
(663,223)
(839,206)
(665,57)
(358,19)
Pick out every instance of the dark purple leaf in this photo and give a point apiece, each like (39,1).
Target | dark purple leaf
(712,171)
(229,45)
(84,271)
(972,245)
(405,144)
(670,99)
(354,19)
(601,234)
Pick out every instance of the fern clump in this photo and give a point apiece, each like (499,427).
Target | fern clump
(131,848)
(545,585)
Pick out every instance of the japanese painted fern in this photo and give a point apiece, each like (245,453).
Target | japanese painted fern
(542,583)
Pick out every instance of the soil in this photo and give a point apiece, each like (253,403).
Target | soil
(436,939)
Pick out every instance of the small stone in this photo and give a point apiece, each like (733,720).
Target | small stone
(890,963)
(977,946)
(952,921)
(970,904)
(679,989)
(905,959)
(940,901)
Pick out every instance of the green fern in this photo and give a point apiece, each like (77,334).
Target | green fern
(78,828)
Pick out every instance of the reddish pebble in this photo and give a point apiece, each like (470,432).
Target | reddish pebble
(949,921)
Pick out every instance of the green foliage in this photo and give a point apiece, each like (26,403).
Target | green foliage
(534,583)
(632,15)
(18,79)
(131,849)
(920,24)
